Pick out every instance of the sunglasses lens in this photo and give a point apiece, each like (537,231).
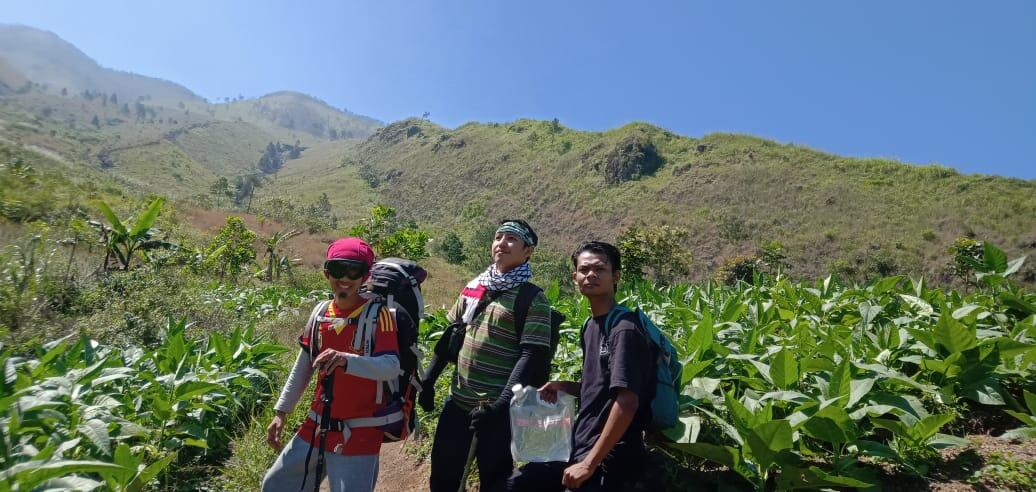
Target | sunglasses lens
(340,269)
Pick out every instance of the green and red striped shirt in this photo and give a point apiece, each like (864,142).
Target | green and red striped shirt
(491,347)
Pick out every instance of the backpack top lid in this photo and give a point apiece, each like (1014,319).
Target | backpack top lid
(390,275)
(400,279)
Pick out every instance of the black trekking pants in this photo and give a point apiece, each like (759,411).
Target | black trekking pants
(618,473)
(451,445)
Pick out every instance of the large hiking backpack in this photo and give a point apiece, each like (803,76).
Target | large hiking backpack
(395,283)
(668,369)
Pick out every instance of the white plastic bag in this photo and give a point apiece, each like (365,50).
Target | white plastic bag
(541,431)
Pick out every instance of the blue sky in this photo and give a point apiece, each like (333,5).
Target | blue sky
(948,82)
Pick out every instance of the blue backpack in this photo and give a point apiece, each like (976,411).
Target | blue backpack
(665,406)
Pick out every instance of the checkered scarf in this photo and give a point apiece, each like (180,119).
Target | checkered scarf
(492,280)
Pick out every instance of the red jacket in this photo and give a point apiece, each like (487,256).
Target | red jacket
(354,396)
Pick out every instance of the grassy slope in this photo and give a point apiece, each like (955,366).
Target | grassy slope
(821,206)
(292,115)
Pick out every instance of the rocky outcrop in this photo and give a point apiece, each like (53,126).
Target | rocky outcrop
(630,159)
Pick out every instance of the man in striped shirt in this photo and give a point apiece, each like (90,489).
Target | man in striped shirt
(499,350)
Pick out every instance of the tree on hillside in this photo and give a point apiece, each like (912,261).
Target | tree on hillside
(231,249)
(660,249)
(220,189)
(390,237)
(271,161)
(452,249)
(276,261)
(244,189)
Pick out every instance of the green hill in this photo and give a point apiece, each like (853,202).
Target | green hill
(288,112)
(732,192)
(46,59)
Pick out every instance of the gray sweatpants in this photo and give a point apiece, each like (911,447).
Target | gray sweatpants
(344,473)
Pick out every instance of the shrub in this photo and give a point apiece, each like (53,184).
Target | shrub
(659,250)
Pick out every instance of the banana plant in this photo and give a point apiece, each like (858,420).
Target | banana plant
(125,237)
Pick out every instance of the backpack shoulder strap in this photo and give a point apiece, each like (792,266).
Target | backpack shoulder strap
(367,326)
(522,303)
(414,285)
(617,312)
(313,328)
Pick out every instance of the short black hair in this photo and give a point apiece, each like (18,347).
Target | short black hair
(524,224)
(601,248)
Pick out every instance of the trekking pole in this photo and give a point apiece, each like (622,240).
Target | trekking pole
(325,424)
(471,455)
(467,464)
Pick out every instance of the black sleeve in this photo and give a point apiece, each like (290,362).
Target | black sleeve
(629,353)
(529,363)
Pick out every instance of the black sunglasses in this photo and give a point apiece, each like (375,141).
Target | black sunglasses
(350,269)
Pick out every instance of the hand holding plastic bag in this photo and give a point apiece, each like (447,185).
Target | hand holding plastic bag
(541,431)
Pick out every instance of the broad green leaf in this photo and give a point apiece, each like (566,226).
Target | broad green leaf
(943,441)
(831,424)
(859,388)
(841,378)
(1020,433)
(868,312)
(31,473)
(768,439)
(986,392)
(953,336)
(192,389)
(784,369)
(877,450)
(701,337)
(149,473)
(1013,266)
(724,455)
(97,432)
(65,484)
(993,258)
(922,307)
(147,219)
(962,312)
(686,429)
(1030,401)
(1026,419)
(197,443)
(813,478)
(886,284)
(930,425)
(117,225)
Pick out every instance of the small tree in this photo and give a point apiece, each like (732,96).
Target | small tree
(231,249)
(274,259)
(772,255)
(124,238)
(220,188)
(452,249)
(659,249)
(741,268)
(966,258)
(384,232)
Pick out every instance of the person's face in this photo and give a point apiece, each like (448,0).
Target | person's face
(509,251)
(593,276)
(345,284)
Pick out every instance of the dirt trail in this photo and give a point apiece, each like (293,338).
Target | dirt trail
(399,472)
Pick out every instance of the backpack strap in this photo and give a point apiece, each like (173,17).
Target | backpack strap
(522,303)
(313,327)
(616,312)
